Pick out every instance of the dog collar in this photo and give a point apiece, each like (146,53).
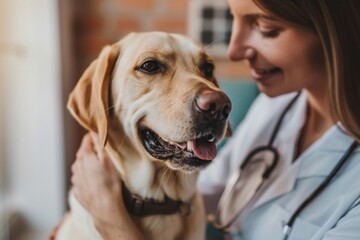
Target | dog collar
(142,207)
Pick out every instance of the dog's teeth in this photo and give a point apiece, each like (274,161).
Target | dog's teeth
(190,146)
(210,138)
(180,145)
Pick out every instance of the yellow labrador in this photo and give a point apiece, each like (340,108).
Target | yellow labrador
(155,104)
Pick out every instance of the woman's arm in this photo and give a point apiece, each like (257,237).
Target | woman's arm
(97,186)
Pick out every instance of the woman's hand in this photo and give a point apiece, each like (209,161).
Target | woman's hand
(97,186)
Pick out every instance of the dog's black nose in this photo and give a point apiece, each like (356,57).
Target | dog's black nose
(212,105)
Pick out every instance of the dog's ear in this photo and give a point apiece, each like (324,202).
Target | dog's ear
(89,101)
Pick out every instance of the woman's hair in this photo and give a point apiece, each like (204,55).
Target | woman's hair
(337,23)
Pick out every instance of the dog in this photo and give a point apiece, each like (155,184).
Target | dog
(156,106)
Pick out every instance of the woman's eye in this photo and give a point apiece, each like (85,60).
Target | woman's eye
(208,70)
(267,30)
(151,67)
(270,34)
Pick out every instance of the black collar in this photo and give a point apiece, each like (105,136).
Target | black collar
(141,207)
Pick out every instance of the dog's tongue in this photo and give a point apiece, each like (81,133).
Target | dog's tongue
(203,149)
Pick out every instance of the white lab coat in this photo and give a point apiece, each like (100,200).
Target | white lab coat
(335,214)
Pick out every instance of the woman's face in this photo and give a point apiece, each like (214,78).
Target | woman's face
(282,58)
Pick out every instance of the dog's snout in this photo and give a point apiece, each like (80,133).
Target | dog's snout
(212,105)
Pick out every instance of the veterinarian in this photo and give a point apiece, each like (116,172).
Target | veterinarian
(298,146)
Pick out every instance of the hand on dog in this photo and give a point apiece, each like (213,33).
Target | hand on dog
(97,186)
(96,183)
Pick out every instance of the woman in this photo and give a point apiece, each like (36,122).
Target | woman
(306,46)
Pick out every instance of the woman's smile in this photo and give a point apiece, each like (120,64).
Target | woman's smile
(262,74)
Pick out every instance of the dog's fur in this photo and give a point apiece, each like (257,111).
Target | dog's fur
(115,98)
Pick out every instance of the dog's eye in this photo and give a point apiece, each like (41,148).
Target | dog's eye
(150,67)
(208,70)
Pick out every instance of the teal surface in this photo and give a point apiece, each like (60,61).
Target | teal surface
(213,234)
(241,93)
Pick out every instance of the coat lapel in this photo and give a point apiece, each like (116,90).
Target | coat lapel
(318,160)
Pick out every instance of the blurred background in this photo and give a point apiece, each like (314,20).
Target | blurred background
(45,45)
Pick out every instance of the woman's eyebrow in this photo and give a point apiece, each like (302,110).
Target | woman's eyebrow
(256,16)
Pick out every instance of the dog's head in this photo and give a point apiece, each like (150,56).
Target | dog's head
(161,89)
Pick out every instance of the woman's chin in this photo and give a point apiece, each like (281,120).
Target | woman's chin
(268,91)
(272,91)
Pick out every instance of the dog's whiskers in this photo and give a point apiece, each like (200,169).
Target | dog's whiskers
(161,179)
(177,150)
(110,107)
(176,177)
(186,180)
(123,139)
(157,138)
(214,42)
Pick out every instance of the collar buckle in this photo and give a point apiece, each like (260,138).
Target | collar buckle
(185,208)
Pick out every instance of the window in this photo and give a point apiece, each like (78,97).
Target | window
(210,23)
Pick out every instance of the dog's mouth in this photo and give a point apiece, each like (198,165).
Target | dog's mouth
(189,155)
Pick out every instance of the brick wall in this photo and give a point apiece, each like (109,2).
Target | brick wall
(100,22)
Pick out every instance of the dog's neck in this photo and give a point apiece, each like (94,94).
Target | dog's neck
(142,207)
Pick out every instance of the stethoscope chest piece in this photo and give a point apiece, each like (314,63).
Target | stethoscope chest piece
(245,185)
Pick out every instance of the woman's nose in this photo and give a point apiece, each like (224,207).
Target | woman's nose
(239,48)
(238,53)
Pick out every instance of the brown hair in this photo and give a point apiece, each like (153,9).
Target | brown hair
(337,23)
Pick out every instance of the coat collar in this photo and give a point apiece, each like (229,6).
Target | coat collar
(324,154)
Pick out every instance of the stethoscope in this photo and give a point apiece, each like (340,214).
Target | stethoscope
(247,182)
